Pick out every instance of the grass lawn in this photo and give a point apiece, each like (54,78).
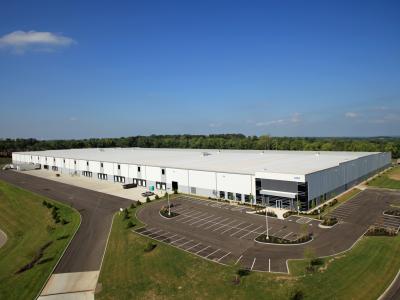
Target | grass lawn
(29,226)
(169,273)
(4,161)
(390,179)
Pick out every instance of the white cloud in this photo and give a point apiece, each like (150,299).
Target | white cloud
(351,115)
(21,41)
(294,119)
(73,119)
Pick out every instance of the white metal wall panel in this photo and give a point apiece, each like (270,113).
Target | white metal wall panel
(234,183)
(94,166)
(178,175)
(153,173)
(132,171)
(81,165)
(125,170)
(108,168)
(202,179)
(59,162)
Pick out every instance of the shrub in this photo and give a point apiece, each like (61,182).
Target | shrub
(297,295)
(148,199)
(44,203)
(138,203)
(133,205)
(329,221)
(156,197)
(64,222)
(130,224)
(333,202)
(243,272)
(126,214)
(150,247)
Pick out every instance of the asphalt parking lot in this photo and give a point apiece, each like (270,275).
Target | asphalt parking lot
(225,233)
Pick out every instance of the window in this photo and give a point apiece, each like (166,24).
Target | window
(230,196)
(246,198)
(119,167)
(193,190)
(238,197)
(54,168)
(87,173)
(101,165)
(162,171)
(161,185)
(138,169)
(64,161)
(222,194)
(102,176)
(119,179)
(74,162)
(54,160)
(87,163)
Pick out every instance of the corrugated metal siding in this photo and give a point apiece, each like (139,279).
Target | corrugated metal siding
(346,173)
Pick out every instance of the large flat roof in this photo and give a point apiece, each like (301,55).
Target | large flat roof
(228,161)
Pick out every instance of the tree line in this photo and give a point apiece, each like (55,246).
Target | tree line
(212,141)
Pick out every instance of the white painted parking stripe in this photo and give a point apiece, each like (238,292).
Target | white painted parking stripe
(197,217)
(238,259)
(177,240)
(193,246)
(170,237)
(201,220)
(212,253)
(254,261)
(212,225)
(287,235)
(244,228)
(269,265)
(232,227)
(180,245)
(224,225)
(210,221)
(250,232)
(224,256)
(202,249)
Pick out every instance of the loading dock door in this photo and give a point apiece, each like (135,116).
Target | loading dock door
(174,185)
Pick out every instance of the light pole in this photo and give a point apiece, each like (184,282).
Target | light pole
(266,219)
(169,205)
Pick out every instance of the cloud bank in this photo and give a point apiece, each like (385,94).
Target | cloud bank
(22,41)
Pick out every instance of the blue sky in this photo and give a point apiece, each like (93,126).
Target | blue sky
(73,69)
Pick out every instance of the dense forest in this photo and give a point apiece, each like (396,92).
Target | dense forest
(219,141)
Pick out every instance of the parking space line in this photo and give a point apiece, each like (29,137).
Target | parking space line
(170,237)
(232,227)
(212,253)
(177,240)
(224,256)
(193,246)
(202,249)
(287,235)
(238,259)
(241,229)
(250,232)
(212,225)
(197,217)
(213,220)
(254,261)
(201,220)
(224,225)
(180,245)
(269,265)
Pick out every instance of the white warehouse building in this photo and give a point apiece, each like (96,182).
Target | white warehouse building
(283,179)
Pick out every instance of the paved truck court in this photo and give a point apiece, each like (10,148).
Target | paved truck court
(225,233)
